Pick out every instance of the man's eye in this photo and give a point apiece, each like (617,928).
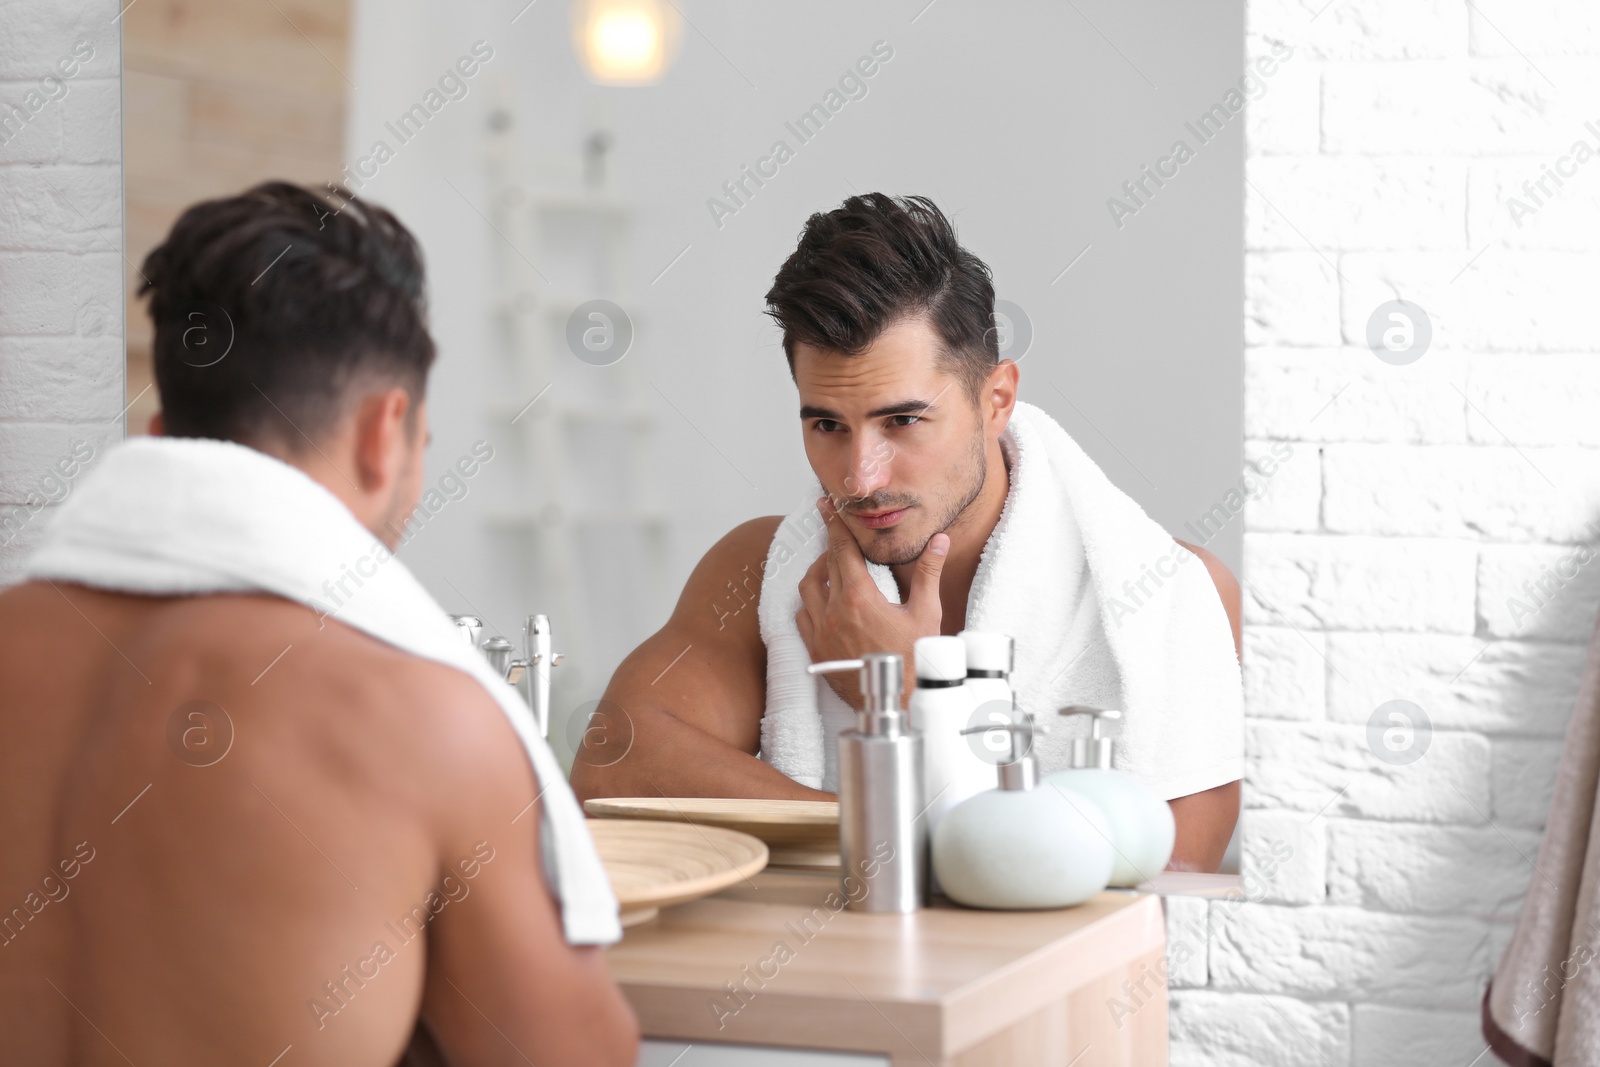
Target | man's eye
(826,425)
(913,419)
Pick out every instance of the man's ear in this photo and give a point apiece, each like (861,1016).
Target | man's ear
(382,438)
(158,425)
(1000,396)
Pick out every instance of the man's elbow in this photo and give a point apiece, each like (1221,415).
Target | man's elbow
(608,754)
(589,781)
(618,766)
(627,1037)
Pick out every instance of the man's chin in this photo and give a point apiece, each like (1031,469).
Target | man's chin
(894,549)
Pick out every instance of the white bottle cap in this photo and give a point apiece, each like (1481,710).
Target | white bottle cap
(941,659)
(987,651)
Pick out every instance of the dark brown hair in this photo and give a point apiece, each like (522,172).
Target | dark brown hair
(271,305)
(875,260)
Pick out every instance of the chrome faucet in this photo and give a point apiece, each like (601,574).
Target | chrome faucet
(529,673)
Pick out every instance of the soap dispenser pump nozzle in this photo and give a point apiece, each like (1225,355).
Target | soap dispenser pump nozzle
(1021,771)
(1094,750)
(882,677)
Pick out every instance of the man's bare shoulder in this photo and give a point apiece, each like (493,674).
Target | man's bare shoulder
(270,680)
(1227,588)
(727,580)
(223,637)
(691,695)
(751,538)
(379,720)
(706,666)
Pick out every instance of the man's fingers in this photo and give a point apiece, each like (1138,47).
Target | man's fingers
(925,579)
(802,623)
(813,595)
(845,561)
(837,534)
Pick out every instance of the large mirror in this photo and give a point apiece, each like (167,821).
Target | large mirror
(663,158)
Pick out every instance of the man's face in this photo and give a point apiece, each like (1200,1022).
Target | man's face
(894,439)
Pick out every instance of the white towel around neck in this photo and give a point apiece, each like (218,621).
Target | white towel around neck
(1052,576)
(184,516)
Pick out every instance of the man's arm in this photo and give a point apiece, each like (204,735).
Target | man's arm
(1228,589)
(682,715)
(503,986)
(1206,820)
(1205,825)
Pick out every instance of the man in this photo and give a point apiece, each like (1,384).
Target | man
(238,828)
(906,413)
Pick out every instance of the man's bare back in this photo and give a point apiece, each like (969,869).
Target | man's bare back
(236,832)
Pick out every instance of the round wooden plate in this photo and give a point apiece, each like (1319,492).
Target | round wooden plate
(653,865)
(800,833)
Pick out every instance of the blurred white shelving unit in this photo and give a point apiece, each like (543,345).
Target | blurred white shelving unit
(585,520)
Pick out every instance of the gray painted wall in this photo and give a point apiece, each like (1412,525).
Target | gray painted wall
(1020,120)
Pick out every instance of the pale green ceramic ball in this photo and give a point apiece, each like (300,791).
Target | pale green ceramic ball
(1015,849)
(1141,822)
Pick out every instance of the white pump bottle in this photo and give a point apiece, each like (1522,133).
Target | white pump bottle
(1023,845)
(1142,826)
(941,707)
(990,698)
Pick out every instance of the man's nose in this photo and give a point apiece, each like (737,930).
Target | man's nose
(869,468)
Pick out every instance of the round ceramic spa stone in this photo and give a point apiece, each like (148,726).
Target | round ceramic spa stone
(1141,822)
(1016,849)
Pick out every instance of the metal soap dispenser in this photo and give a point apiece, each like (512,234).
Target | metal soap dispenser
(883,839)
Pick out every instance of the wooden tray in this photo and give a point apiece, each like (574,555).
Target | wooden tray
(799,833)
(653,865)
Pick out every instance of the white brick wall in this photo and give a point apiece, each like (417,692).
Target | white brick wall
(1427,547)
(61,265)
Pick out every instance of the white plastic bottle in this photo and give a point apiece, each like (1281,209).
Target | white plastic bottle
(941,707)
(990,698)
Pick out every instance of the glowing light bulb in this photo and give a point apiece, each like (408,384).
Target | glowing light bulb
(624,42)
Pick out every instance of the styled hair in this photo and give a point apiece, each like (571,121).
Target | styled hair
(874,261)
(272,306)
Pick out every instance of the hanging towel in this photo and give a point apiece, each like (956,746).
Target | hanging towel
(170,516)
(1542,1008)
(1105,608)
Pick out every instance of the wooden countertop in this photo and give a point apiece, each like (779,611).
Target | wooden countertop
(769,962)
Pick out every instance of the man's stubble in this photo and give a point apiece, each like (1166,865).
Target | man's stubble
(890,552)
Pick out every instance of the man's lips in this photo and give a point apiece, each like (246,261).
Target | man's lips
(882,518)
